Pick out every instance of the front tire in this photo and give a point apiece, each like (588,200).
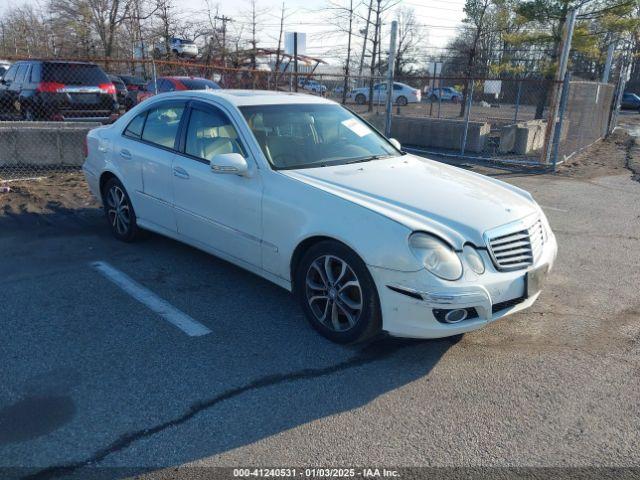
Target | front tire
(361,99)
(119,212)
(28,115)
(337,293)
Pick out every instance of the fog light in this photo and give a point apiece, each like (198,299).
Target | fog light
(455,316)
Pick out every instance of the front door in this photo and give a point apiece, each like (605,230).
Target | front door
(218,210)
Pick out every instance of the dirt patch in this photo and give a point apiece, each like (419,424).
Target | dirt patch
(46,200)
(606,157)
(46,194)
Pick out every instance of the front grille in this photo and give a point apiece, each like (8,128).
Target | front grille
(516,249)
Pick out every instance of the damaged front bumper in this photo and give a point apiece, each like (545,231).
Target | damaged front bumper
(414,303)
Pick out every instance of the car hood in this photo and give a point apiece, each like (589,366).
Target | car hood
(425,195)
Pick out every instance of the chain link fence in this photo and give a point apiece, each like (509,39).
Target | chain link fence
(48,105)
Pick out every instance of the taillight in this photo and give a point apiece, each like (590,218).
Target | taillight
(50,87)
(109,88)
(85,148)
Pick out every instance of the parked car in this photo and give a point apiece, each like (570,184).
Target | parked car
(173,84)
(121,89)
(402,94)
(446,94)
(630,101)
(304,193)
(179,47)
(134,85)
(58,90)
(313,86)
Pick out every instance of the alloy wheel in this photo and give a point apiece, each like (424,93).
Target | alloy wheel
(118,210)
(333,293)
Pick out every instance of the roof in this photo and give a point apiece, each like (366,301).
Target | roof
(182,77)
(241,98)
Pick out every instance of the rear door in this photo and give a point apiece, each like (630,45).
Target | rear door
(6,102)
(154,152)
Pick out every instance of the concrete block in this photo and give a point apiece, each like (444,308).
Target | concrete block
(435,132)
(43,143)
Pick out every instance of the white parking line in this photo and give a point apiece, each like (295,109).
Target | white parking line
(163,308)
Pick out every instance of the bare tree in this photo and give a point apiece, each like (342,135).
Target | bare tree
(366,36)
(476,14)
(343,16)
(279,55)
(380,7)
(407,42)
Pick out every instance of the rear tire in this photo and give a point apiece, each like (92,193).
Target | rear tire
(337,293)
(119,212)
(402,101)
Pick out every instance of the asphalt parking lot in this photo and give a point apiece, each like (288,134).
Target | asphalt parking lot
(92,378)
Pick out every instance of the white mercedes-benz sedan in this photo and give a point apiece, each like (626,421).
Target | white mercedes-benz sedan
(301,191)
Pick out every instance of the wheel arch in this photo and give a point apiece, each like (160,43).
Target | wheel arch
(105,177)
(304,246)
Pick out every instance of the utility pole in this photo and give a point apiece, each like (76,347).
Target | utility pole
(224,19)
(559,77)
(390,71)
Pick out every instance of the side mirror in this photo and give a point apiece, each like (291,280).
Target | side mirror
(395,143)
(229,163)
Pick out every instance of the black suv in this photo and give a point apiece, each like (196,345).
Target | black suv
(57,90)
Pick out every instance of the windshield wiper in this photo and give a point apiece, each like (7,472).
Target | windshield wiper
(367,159)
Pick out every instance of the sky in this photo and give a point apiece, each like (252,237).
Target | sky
(437,19)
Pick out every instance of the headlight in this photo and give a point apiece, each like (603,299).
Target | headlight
(473,259)
(436,256)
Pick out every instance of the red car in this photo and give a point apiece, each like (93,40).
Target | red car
(172,84)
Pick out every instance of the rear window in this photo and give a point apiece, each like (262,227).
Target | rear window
(73,74)
(199,84)
(133,80)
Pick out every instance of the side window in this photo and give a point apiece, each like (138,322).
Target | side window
(11,73)
(397,87)
(162,125)
(20,75)
(211,133)
(35,73)
(134,129)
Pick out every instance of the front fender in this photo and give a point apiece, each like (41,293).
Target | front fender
(294,211)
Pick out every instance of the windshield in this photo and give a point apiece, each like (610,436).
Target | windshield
(306,136)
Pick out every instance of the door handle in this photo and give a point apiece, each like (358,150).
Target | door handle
(126,154)
(180,172)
